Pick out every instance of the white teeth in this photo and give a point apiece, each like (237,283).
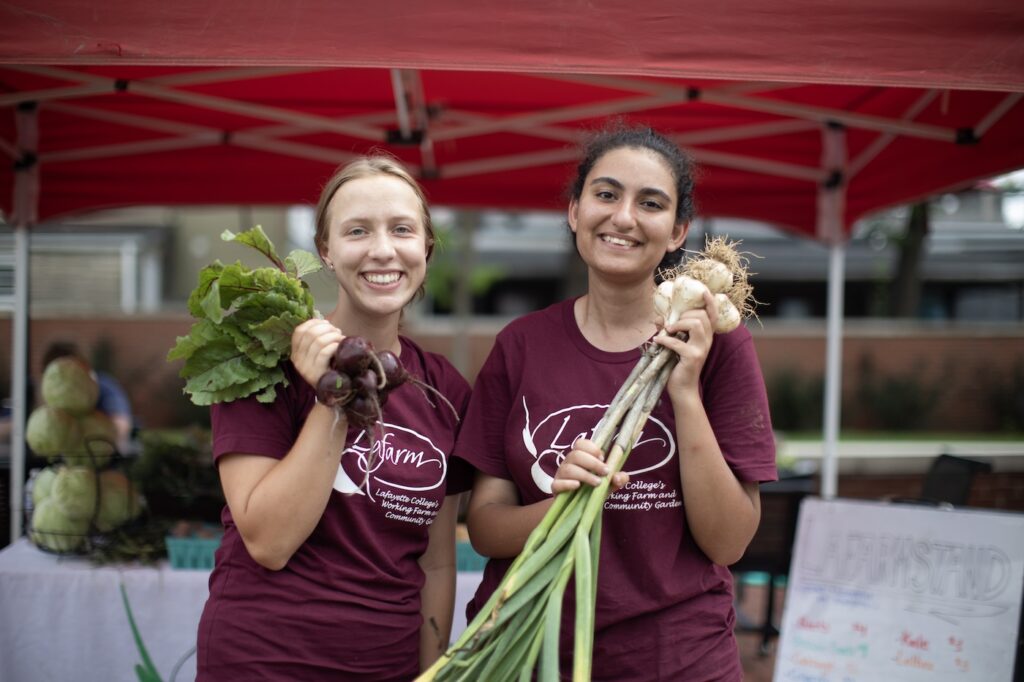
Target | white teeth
(389,278)
(617,240)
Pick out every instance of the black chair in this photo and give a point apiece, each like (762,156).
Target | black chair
(948,481)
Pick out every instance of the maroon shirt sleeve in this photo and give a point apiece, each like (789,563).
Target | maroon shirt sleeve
(736,403)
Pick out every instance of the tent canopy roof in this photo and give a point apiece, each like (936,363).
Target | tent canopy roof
(912,43)
(212,102)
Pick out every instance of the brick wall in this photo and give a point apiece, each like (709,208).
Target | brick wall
(961,363)
(997,490)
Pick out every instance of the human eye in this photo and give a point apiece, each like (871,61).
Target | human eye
(404,229)
(652,204)
(605,195)
(356,231)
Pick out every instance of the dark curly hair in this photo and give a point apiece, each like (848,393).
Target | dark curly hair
(679,163)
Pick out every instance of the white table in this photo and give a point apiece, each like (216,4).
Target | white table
(63,618)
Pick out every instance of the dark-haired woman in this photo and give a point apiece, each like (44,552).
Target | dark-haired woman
(338,561)
(687,505)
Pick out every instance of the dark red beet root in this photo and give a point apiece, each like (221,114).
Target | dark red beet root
(353,356)
(334,389)
(394,374)
(362,412)
(366,383)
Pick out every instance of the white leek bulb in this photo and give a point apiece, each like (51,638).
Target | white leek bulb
(728,315)
(663,300)
(687,294)
(718,276)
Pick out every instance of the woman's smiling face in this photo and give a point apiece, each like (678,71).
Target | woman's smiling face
(376,243)
(624,219)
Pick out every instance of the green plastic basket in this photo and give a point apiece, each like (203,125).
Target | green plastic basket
(466,558)
(191,553)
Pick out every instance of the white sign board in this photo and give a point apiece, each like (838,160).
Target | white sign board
(898,593)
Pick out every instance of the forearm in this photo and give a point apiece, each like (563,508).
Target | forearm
(437,599)
(499,530)
(284,506)
(721,512)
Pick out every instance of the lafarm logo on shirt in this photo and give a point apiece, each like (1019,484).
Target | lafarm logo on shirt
(551,439)
(398,461)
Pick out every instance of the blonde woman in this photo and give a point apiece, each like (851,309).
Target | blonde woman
(338,562)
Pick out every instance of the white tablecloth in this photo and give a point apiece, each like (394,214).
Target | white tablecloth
(62,618)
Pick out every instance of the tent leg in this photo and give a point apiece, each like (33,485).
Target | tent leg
(26,202)
(831,210)
(463,308)
(833,370)
(19,377)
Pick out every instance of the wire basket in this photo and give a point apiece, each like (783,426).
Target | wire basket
(86,531)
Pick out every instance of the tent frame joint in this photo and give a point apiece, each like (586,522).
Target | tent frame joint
(967,136)
(834,180)
(25,162)
(395,136)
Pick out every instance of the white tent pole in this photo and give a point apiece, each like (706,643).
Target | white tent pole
(831,208)
(833,369)
(401,104)
(466,227)
(26,201)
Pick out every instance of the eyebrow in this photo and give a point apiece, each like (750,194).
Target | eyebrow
(645,190)
(368,220)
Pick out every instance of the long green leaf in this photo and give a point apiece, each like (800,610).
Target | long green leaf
(526,674)
(583,639)
(531,589)
(548,669)
(147,668)
(502,659)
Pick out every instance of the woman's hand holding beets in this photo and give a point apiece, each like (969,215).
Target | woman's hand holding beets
(313,344)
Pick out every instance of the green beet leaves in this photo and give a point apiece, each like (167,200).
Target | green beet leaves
(244,323)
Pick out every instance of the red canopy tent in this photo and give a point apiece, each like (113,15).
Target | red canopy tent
(218,102)
(807,115)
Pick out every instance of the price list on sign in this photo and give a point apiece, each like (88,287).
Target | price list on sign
(881,591)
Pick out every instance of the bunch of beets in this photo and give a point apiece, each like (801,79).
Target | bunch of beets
(360,379)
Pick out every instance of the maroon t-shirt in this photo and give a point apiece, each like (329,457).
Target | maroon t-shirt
(347,604)
(664,610)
